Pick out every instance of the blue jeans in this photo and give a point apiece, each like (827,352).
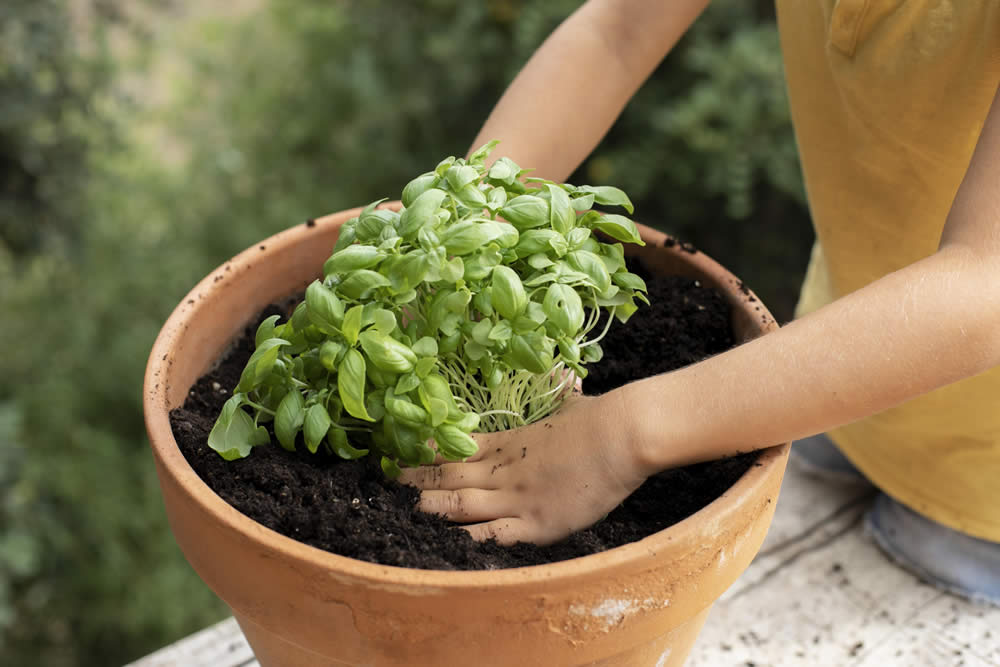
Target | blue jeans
(943,557)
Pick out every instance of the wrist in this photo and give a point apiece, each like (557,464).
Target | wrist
(639,443)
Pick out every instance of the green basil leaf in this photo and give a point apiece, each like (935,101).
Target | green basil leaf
(438,411)
(406,441)
(406,411)
(300,317)
(468,422)
(407,383)
(543,278)
(562,217)
(409,270)
(426,365)
(541,241)
(384,320)
(427,238)
(608,196)
(508,235)
(504,171)
(507,296)
(351,384)
(453,443)
(341,447)
(317,423)
(625,311)
(613,297)
(443,165)
(457,301)
(425,347)
(435,387)
(233,435)
(629,281)
(449,343)
(390,468)
(501,332)
(372,223)
(475,351)
(464,237)
(495,379)
(583,203)
(260,364)
(569,349)
(611,261)
(472,197)
(592,353)
(564,308)
(435,258)
(422,211)
(266,330)
(375,402)
(450,324)
(404,297)
(496,198)
(323,307)
(387,353)
(541,181)
(481,332)
(590,264)
(539,261)
(478,267)
(535,312)
(418,186)
(361,283)
(347,234)
(312,369)
(479,156)
(483,301)
(577,237)
(619,228)
(289,418)
(526,212)
(351,258)
(453,270)
(531,351)
(388,240)
(351,326)
(271,398)
(458,176)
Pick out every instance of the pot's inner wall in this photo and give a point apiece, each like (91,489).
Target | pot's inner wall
(234,293)
(749,317)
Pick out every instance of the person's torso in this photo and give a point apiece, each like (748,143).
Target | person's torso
(888,99)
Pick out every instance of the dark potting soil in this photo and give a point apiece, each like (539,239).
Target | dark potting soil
(351,509)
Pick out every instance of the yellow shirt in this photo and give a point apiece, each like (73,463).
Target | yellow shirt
(888,98)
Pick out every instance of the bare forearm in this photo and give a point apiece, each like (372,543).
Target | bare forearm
(931,323)
(928,325)
(574,87)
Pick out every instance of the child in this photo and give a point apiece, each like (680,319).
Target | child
(897,349)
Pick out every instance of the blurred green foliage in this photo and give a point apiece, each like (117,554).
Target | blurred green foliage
(46,123)
(297,109)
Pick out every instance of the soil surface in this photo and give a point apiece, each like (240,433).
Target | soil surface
(351,509)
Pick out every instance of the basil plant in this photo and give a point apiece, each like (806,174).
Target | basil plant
(473,308)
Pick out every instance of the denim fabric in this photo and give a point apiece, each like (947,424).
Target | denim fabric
(819,457)
(947,559)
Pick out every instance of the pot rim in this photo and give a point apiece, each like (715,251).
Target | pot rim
(170,460)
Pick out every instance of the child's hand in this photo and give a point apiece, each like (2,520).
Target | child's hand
(541,482)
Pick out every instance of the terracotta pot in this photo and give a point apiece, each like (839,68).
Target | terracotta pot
(640,604)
